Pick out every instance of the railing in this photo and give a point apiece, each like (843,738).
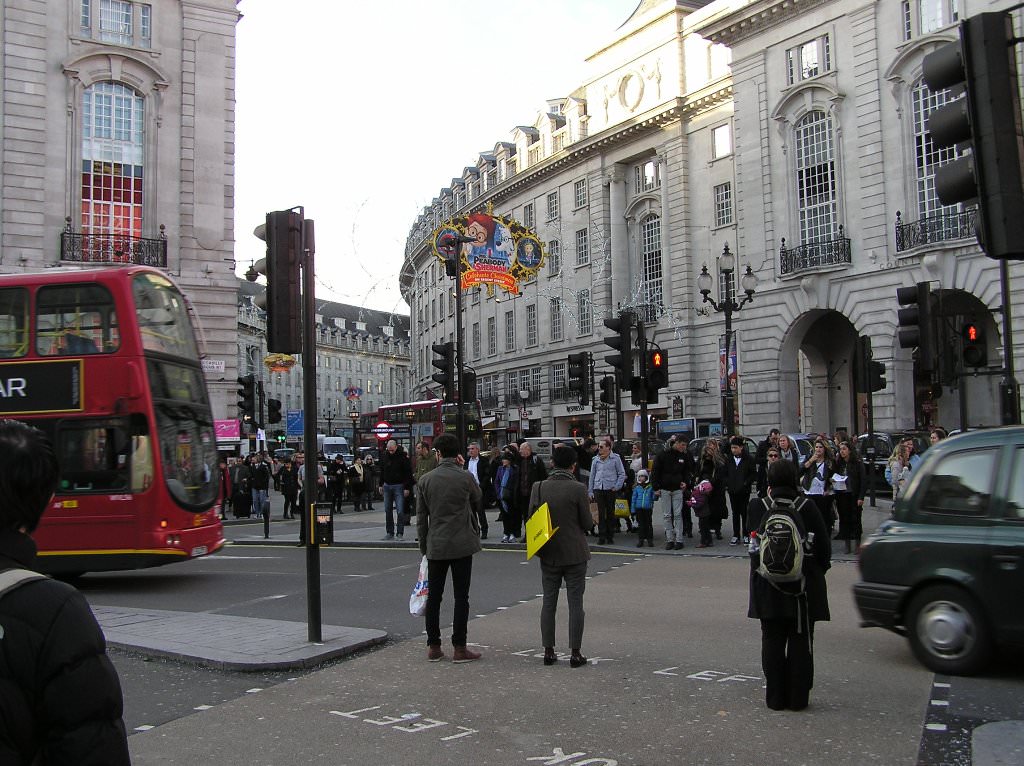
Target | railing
(828,252)
(490,402)
(563,394)
(113,248)
(941,227)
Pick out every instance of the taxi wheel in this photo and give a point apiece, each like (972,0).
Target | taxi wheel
(948,631)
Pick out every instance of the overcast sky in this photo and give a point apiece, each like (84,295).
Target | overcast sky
(363,111)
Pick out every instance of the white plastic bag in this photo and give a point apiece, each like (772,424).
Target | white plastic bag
(418,599)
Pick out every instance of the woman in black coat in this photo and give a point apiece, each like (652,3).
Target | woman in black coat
(850,496)
(787,618)
(712,467)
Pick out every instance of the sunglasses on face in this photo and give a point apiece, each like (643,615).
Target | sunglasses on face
(773,455)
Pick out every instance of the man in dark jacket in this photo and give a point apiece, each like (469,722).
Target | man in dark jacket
(741,474)
(530,469)
(673,473)
(449,535)
(761,460)
(564,557)
(788,611)
(60,697)
(396,477)
(479,468)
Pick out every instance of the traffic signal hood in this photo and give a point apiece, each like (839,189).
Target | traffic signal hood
(445,362)
(247,397)
(657,370)
(876,376)
(608,389)
(273,410)
(915,323)
(988,116)
(284,233)
(622,342)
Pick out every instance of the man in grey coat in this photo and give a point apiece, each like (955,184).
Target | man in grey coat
(449,535)
(565,555)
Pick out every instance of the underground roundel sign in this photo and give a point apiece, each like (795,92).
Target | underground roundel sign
(383,430)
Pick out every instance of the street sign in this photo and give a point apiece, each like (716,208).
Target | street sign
(295,424)
(383,430)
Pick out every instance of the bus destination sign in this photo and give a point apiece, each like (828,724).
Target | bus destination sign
(28,388)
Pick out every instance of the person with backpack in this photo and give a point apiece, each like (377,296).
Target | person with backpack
(789,555)
(60,696)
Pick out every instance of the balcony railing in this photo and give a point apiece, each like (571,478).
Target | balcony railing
(490,402)
(113,248)
(563,394)
(941,227)
(826,252)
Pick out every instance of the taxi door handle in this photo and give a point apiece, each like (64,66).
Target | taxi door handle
(1007,562)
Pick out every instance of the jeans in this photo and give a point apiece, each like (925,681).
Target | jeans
(740,524)
(394,496)
(673,504)
(259,500)
(575,577)
(608,524)
(291,507)
(437,574)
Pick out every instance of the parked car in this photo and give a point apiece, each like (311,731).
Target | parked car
(884,443)
(947,570)
(284,454)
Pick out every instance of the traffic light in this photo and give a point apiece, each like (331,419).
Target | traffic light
(862,363)
(445,362)
(285,233)
(915,323)
(876,376)
(468,386)
(973,348)
(577,378)
(622,342)
(273,410)
(989,118)
(247,397)
(608,389)
(657,370)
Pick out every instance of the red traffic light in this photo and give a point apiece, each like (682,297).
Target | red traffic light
(971,333)
(657,360)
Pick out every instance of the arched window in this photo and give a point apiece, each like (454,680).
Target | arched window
(927,156)
(816,177)
(112,160)
(650,252)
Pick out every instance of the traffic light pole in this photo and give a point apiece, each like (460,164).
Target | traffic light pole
(309,405)
(641,342)
(460,362)
(1008,388)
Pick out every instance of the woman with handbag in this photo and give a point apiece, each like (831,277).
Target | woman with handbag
(848,484)
(816,481)
(712,469)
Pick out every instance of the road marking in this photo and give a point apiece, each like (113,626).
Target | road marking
(245,603)
(940,685)
(935,726)
(202,707)
(144,727)
(232,557)
(253,690)
(940,703)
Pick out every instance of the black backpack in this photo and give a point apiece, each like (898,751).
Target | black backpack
(783,544)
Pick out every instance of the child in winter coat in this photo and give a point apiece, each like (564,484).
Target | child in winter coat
(642,504)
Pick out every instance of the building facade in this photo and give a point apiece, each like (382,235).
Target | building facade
(362,363)
(118,125)
(793,134)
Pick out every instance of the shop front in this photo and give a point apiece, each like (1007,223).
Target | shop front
(573,420)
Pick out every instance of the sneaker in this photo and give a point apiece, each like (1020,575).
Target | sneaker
(389,537)
(679,545)
(734,541)
(640,543)
(462,654)
(434,654)
(398,536)
(704,545)
(670,546)
(746,540)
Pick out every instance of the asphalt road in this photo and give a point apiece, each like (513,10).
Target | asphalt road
(676,677)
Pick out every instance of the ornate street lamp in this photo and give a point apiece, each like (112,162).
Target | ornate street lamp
(727,306)
(410,417)
(329,416)
(353,415)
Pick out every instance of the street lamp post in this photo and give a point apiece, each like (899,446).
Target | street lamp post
(353,415)
(410,417)
(727,306)
(524,398)
(329,416)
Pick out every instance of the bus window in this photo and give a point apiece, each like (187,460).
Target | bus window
(94,456)
(13,322)
(163,317)
(72,320)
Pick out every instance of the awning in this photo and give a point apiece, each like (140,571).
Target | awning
(489,424)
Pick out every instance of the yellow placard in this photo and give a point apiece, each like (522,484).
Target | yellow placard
(538,530)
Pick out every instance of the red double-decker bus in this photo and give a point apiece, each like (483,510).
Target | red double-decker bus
(105,362)
(429,418)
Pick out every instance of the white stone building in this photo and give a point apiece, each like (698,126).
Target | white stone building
(117,142)
(791,132)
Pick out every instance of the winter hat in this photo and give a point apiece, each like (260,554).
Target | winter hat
(642,474)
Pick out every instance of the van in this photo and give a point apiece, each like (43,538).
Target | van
(336,445)
(544,445)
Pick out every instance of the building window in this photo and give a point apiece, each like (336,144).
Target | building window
(533,154)
(117,22)
(583,312)
(723,204)
(559,389)
(557,142)
(531,325)
(582,248)
(808,60)
(433,311)
(721,141)
(460,199)
(929,157)
(646,177)
(492,336)
(492,178)
(529,220)
(476,295)
(510,331)
(554,258)
(552,205)
(112,166)
(650,244)
(816,177)
(556,319)
(579,193)
(510,167)
(476,340)
(922,17)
